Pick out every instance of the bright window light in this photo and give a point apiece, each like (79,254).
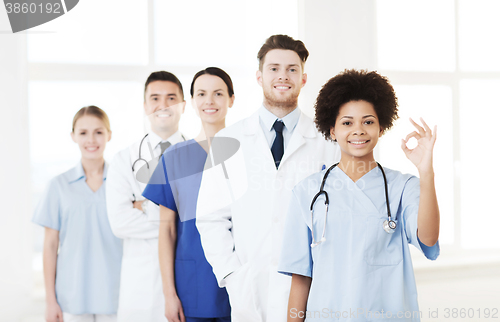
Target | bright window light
(416,35)
(434,105)
(52,105)
(184,36)
(479,161)
(113,32)
(479,27)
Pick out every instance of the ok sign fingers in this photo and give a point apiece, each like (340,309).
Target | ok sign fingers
(421,155)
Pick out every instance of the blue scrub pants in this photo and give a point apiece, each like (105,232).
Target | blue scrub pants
(224,319)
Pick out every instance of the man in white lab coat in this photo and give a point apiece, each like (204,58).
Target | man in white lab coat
(243,202)
(135,219)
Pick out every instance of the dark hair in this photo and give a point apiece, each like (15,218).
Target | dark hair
(165,77)
(94,111)
(215,71)
(282,42)
(354,85)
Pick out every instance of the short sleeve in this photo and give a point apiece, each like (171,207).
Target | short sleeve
(296,257)
(160,194)
(48,210)
(409,205)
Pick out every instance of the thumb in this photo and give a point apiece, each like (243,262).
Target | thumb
(405,148)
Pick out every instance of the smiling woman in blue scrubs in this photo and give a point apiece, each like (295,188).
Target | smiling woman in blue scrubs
(82,278)
(189,284)
(361,270)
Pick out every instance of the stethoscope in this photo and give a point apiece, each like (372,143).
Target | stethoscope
(150,151)
(389,225)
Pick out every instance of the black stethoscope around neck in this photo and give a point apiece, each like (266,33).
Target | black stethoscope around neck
(389,225)
(140,158)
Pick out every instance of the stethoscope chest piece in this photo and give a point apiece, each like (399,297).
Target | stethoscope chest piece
(390,226)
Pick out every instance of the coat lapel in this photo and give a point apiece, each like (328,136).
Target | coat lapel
(304,129)
(253,132)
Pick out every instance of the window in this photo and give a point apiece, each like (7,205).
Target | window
(87,58)
(445,68)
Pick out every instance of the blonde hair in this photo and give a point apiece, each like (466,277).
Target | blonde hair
(94,111)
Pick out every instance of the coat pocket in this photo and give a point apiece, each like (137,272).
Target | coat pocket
(240,287)
(380,247)
(186,283)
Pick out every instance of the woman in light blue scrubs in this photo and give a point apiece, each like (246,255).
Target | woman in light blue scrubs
(81,256)
(189,284)
(357,269)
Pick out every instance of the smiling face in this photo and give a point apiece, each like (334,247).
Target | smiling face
(91,135)
(281,78)
(211,99)
(356,130)
(164,105)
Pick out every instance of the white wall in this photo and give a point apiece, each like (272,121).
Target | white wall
(339,35)
(15,185)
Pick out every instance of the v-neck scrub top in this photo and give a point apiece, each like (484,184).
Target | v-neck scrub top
(89,258)
(180,170)
(359,267)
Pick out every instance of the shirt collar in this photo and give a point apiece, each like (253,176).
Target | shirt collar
(290,120)
(78,173)
(155,139)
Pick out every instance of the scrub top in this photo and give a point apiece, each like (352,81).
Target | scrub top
(89,258)
(360,272)
(182,167)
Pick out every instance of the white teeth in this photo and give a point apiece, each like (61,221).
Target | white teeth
(91,149)
(210,110)
(358,142)
(282,87)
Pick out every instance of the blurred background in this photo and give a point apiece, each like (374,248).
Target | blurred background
(441,56)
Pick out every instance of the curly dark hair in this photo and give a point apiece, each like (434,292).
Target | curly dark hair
(355,85)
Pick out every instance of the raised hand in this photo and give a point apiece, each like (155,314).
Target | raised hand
(421,155)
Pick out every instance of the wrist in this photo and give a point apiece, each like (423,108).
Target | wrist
(169,292)
(426,173)
(170,296)
(50,300)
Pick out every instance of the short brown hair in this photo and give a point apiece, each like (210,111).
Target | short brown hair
(282,42)
(94,111)
(165,77)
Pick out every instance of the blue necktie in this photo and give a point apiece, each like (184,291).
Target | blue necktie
(277,149)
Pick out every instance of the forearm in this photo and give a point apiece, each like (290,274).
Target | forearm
(132,223)
(49,271)
(126,221)
(297,301)
(428,210)
(166,252)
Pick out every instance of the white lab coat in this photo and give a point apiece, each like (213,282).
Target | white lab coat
(141,296)
(244,237)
